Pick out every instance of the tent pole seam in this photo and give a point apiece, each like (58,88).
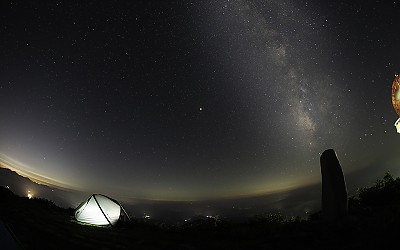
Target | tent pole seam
(101,209)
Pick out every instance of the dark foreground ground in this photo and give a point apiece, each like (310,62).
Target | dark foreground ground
(373,223)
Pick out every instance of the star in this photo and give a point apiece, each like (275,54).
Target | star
(281,82)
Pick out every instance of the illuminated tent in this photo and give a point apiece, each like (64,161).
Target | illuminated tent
(100,210)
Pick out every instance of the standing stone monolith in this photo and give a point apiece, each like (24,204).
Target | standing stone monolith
(334,191)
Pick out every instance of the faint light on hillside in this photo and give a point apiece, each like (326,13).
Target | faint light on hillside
(30,195)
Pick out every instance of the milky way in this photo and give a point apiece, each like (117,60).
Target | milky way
(193,100)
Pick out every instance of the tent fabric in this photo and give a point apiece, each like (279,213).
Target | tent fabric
(100,210)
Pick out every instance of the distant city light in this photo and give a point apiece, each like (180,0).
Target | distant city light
(30,195)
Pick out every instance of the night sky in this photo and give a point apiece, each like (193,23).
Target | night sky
(182,100)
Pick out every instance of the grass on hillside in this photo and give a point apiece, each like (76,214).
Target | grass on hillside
(373,222)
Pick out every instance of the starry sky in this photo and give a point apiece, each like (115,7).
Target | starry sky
(186,100)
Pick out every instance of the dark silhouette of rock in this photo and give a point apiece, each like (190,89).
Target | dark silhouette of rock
(334,191)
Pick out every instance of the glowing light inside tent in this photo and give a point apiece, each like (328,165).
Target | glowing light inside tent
(98,210)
